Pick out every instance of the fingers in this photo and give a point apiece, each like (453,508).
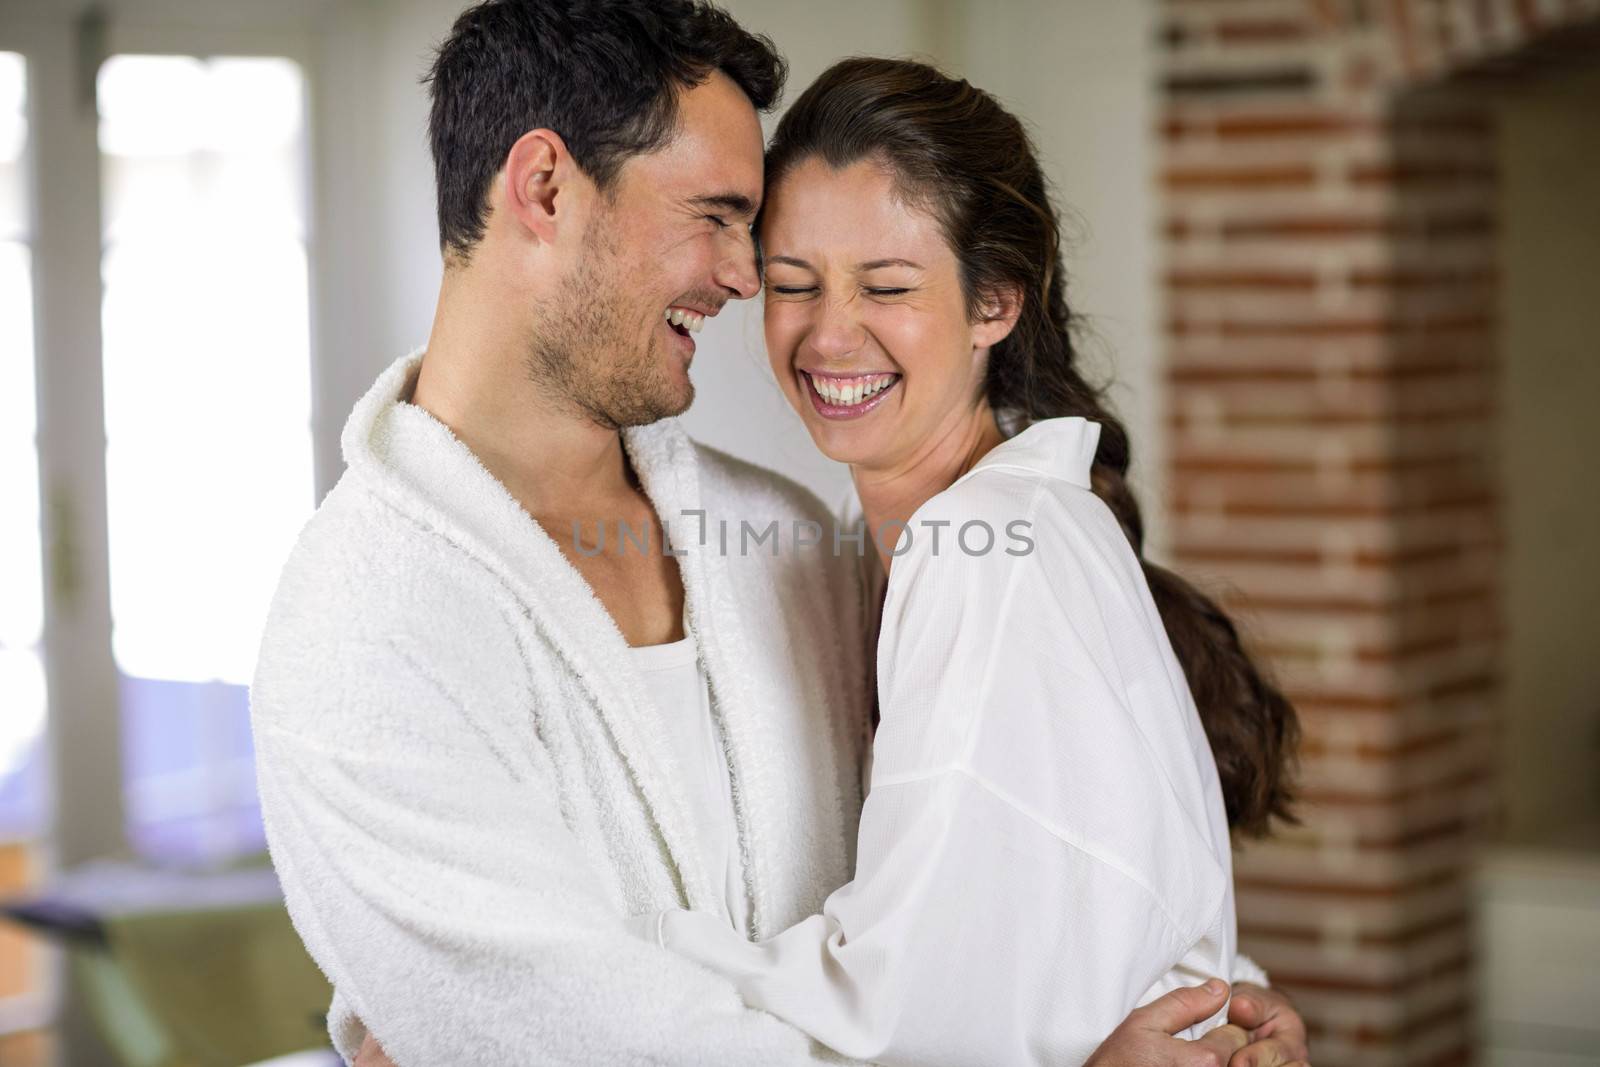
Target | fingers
(1268,1053)
(1226,1040)
(1181,1008)
(371,1054)
(1287,1033)
(1268,1013)
(1246,1009)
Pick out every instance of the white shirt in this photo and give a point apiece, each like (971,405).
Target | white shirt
(677,685)
(1044,846)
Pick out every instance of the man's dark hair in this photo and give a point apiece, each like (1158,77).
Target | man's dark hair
(604,74)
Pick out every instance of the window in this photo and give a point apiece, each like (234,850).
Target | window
(207,418)
(22,679)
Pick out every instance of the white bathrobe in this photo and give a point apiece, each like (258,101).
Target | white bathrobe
(461,778)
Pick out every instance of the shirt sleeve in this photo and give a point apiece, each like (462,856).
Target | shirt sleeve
(1246,969)
(1027,867)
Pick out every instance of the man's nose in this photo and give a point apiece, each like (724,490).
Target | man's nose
(737,271)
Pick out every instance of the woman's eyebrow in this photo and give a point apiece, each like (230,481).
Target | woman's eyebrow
(871,265)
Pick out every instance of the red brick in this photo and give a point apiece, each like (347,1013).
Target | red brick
(1212,280)
(1287,125)
(1258,31)
(1293,176)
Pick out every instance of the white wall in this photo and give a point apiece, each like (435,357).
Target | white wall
(1081,74)
(378,263)
(1078,70)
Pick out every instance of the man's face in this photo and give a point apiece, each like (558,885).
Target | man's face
(670,245)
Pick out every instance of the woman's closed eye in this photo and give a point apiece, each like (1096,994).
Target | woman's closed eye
(801,290)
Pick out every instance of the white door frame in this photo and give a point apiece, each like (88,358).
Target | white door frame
(83,728)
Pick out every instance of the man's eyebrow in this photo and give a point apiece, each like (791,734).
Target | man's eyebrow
(733,203)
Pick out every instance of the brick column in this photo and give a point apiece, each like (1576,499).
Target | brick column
(1328,199)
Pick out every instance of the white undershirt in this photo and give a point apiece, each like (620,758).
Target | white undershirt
(676,682)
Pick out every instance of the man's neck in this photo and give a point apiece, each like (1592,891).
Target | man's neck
(894,493)
(570,474)
(553,459)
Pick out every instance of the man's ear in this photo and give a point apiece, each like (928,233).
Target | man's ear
(539,182)
(997,316)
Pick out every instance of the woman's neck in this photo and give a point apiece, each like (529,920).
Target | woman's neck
(893,494)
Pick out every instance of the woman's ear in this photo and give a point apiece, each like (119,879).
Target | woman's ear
(997,316)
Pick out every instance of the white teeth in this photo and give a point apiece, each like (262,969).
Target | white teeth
(692,321)
(849,395)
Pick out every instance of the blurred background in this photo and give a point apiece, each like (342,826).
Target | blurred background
(1338,259)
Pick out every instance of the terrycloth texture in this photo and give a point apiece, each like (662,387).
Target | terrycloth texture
(1044,846)
(463,790)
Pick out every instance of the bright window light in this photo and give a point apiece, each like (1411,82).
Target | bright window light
(208,420)
(22,680)
(207,357)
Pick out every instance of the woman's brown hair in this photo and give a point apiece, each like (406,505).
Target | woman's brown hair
(954,150)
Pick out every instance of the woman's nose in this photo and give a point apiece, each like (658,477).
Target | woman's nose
(836,333)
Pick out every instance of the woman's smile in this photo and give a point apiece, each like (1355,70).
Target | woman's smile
(866,319)
(846,396)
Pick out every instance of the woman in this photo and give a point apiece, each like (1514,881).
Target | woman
(1046,841)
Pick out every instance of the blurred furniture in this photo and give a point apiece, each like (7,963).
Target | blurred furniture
(185,969)
(1539,939)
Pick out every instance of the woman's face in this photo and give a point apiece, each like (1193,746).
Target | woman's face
(866,322)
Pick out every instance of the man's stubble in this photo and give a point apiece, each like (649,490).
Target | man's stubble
(585,354)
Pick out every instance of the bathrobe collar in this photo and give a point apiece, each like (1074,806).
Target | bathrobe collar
(419,466)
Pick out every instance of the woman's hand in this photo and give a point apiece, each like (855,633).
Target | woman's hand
(1145,1038)
(1277,1033)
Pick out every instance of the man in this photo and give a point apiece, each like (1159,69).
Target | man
(467,783)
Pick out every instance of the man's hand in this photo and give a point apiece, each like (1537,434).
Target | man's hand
(1145,1038)
(372,1054)
(1277,1033)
